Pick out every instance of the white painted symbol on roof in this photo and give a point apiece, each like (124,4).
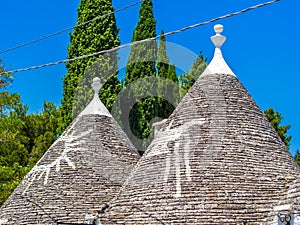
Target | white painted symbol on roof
(72,143)
(174,135)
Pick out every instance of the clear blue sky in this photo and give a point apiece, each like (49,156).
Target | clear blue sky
(262,46)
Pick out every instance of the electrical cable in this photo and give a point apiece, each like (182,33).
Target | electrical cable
(144,40)
(69,28)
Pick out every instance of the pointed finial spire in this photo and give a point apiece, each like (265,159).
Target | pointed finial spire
(218,64)
(96,85)
(218,39)
(96,106)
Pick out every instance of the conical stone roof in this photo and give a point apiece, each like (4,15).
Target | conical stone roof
(79,173)
(216,160)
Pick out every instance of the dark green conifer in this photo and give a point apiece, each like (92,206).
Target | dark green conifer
(141,64)
(98,35)
(168,88)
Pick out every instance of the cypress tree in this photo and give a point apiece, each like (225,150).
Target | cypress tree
(165,69)
(98,35)
(168,81)
(162,58)
(172,75)
(141,64)
(198,66)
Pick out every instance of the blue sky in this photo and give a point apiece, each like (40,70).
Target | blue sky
(261,48)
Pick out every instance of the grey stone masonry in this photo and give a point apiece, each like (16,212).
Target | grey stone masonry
(216,160)
(81,171)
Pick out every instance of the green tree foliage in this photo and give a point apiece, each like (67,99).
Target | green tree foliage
(41,130)
(23,138)
(188,79)
(13,153)
(141,64)
(10,177)
(297,157)
(198,66)
(162,58)
(168,87)
(5,78)
(98,35)
(12,148)
(275,119)
(12,113)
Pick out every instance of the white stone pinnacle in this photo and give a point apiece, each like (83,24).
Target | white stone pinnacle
(218,39)
(218,64)
(96,85)
(96,106)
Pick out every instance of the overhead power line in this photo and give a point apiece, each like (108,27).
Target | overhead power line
(69,28)
(144,40)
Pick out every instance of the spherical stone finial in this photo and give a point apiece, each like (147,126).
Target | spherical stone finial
(96,85)
(218,39)
(96,79)
(218,28)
